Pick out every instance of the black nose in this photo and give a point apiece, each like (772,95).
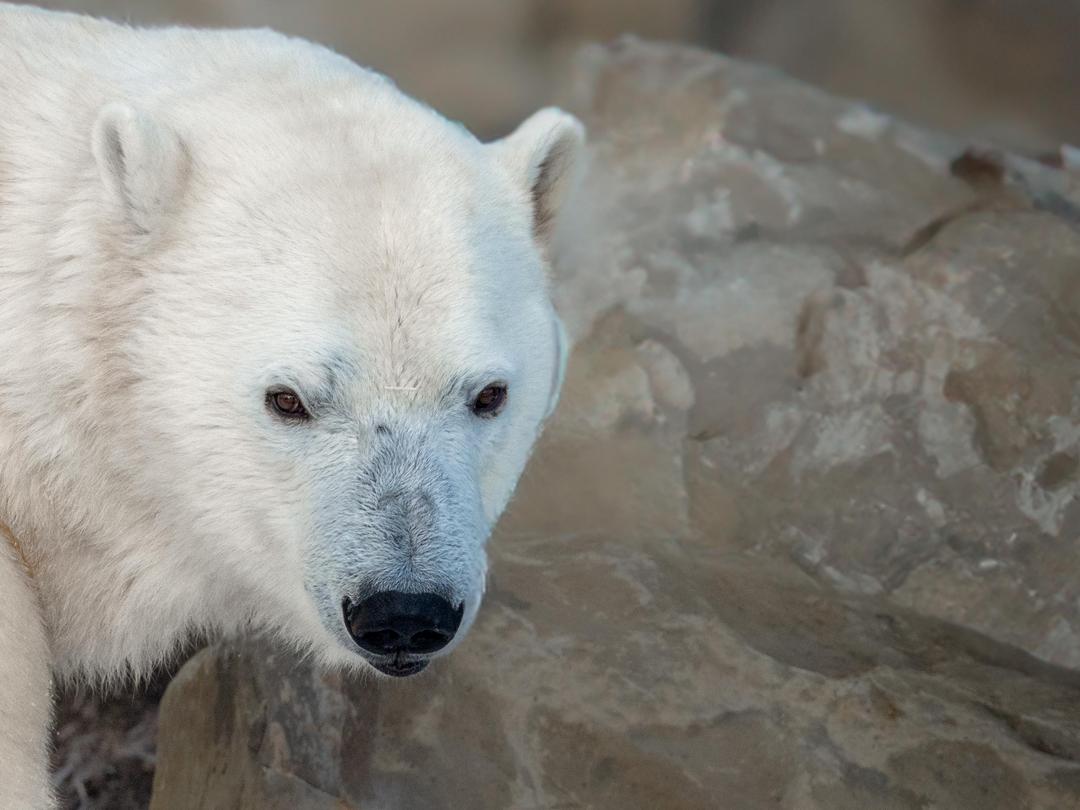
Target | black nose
(393,622)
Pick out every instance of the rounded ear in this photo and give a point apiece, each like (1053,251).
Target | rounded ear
(142,165)
(544,156)
(562,353)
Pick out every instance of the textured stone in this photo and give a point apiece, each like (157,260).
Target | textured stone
(804,531)
(602,676)
(881,336)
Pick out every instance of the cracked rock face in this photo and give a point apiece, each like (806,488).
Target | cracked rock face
(804,531)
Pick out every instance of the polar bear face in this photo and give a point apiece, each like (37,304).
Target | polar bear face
(337,348)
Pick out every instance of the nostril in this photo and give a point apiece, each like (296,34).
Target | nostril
(382,640)
(429,641)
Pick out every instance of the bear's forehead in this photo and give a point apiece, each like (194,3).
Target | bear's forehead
(409,235)
(401,206)
(408,294)
(407,342)
(392,230)
(365,176)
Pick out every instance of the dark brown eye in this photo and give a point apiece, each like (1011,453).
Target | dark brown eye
(287,403)
(490,401)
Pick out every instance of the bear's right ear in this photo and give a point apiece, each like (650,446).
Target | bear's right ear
(544,157)
(142,165)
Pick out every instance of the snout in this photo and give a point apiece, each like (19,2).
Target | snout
(397,628)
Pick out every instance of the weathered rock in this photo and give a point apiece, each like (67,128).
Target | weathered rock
(817,334)
(804,532)
(604,676)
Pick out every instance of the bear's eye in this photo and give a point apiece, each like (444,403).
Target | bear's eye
(490,400)
(286,403)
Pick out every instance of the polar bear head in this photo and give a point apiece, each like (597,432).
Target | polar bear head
(330,337)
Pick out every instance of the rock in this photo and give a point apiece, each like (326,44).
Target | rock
(803,532)
(931,61)
(859,344)
(603,676)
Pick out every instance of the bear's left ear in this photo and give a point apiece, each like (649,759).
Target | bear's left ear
(142,164)
(544,156)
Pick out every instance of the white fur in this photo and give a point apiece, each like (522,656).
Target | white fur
(188,218)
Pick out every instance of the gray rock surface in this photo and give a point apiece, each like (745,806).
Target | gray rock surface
(804,532)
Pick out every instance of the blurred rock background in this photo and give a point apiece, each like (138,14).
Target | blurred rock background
(1005,69)
(992,71)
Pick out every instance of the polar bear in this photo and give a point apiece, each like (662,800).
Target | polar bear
(275,343)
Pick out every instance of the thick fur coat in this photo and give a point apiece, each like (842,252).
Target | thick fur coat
(192,222)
